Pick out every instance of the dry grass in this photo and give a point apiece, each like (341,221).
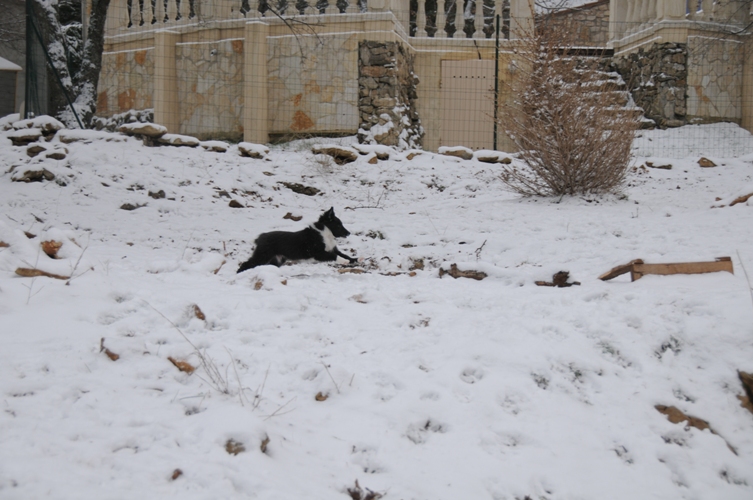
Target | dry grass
(567,121)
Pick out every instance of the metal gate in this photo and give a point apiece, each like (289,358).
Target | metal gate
(467,104)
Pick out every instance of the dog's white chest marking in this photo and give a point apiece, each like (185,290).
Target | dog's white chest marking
(328,238)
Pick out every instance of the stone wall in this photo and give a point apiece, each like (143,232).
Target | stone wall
(210,90)
(658,80)
(126,81)
(715,77)
(588,23)
(387,96)
(313,84)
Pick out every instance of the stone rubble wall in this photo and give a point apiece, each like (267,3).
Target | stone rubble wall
(588,23)
(126,81)
(657,79)
(210,88)
(313,84)
(387,96)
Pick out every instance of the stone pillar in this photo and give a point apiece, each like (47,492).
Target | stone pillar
(255,105)
(617,18)
(521,19)
(165,97)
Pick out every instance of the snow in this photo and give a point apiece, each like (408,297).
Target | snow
(435,388)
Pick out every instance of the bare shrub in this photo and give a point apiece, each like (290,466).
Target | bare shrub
(567,119)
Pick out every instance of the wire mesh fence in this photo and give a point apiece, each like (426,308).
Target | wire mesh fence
(421,73)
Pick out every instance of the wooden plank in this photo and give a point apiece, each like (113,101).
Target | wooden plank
(720,264)
(619,270)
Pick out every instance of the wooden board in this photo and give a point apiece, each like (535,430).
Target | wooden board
(720,264)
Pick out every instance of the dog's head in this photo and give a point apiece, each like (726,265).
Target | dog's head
(334,224)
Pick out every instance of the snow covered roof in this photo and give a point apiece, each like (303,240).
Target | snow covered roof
(6,65)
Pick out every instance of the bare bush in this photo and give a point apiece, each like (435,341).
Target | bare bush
(568,120)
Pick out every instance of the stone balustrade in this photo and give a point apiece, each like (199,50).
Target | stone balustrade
(138,15)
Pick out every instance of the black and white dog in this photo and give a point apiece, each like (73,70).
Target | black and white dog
(315,242)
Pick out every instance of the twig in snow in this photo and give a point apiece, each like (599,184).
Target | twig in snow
(216,380)
(237,377)
(330,376)
(478,250)
(747,278)
(280,408)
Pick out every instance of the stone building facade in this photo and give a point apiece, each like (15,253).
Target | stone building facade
(225,69)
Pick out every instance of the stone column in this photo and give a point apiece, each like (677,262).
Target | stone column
(617,18)
(441,20)
(165,96)
(255,105)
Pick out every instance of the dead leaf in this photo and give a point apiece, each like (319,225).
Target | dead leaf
(233,447)
(258,284)
(284,282)
(176,474)
(33,273)
(183,366)
(706,163)
(197,312)
(740,199)
(3,244)
(221,264)
(30,235)
(264,444)
(321,397)
(108,352)
(676,416)
(359,298)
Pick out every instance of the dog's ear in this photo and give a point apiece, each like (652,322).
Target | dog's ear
(330,212)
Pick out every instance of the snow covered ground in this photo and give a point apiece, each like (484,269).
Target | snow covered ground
(428,387)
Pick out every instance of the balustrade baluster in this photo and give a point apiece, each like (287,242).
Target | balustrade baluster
(441,19)
(459,20)
(478,21)
(421,18)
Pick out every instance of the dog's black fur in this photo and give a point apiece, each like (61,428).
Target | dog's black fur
(315,242)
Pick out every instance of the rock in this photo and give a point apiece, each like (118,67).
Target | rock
(178,140)
(36,176)
(235,204)
(706,163)
(492,157)
(47,124)
(129,206)
(301,189)
(157,195)
(413,154)
(292,217)
(34,149)
(457,151)
(24,136)
(340,154)
(57,154)
(214,146)
(374,160)
(151,130)
(250,150)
